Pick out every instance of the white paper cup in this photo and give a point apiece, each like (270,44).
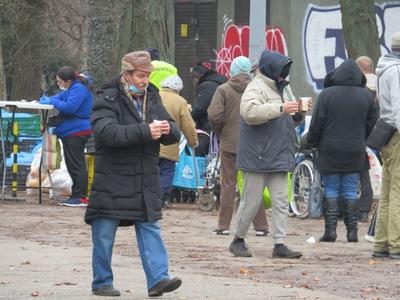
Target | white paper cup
(311,240)
(304,103)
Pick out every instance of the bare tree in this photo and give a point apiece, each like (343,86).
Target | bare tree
(117,27)
(359,29)
(3,90)
(150,26)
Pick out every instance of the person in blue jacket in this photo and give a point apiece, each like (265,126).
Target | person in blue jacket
(72,126)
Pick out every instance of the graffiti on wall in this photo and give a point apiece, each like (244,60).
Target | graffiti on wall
(323,45)
(235,42)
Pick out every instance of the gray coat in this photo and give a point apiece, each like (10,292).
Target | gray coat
(267,136)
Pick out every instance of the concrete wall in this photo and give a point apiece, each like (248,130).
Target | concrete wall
(311,31)
(315,54)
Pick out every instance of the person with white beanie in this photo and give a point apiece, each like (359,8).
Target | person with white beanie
(224,117)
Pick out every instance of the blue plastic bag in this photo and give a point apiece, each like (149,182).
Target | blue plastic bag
(187,174)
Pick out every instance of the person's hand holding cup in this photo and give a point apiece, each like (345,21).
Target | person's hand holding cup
(165,127)
(290,107)
(305,104)
(155,129)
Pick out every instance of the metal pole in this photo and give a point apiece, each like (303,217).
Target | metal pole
(258,22)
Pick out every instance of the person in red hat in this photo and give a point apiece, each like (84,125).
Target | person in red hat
(129,123)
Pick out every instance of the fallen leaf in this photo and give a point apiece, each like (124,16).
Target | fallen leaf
(371,262)
(306,285)
(4,282)
(287,286)
(26,263)
(317,279)
(304,273)
(35,294)
(243,271)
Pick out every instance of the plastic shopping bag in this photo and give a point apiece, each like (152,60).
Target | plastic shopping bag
(375,173)
(51,152)
(188,170)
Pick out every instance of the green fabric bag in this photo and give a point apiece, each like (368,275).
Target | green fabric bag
(266,196)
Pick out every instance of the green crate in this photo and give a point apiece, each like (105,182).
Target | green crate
(28,124)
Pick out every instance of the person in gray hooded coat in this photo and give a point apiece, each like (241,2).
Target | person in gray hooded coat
(266,151)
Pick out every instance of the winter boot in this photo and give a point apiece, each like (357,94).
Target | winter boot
(331,217)
(350,219)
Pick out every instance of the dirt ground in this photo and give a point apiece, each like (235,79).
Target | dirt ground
(340,269)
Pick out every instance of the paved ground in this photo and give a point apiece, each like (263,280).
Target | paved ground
(46,253)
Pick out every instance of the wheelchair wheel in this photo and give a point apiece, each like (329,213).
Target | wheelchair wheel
(206,201)
(302,179)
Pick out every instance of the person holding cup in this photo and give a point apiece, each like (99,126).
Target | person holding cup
(266,150)
(129,123)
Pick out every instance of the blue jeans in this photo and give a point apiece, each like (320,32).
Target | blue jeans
(341,185)
(152,251)
(167,172)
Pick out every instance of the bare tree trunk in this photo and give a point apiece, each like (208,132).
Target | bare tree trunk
(27,63)
(116,28)
(359,29)
(3,90)
(151,27)
(107,35)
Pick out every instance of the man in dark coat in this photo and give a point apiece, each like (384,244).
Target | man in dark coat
(129,123)
(342,120)
(207,82)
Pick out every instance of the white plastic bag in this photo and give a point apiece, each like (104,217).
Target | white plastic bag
(375,173)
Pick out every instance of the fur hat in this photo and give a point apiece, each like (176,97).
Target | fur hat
(137,60)
(396,41)
(239,65)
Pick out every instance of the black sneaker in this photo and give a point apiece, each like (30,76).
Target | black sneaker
(107,291)
(282,251)
(221,232)
(165,286)
(380,254)
(239,248)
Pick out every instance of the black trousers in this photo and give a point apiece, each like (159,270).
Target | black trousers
(367,194)
(74,154)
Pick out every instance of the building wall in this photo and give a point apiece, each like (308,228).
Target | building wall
(307,31)
(312,31)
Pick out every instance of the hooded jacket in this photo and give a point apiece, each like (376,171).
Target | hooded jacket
(207,85)
(388,71)
(126,183)
(267,136)
(178,109)
(223,112)
(342,120)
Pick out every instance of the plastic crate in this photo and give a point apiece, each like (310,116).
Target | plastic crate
(22,174)
(28,124)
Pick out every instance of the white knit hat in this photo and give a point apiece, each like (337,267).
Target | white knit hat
(173,82)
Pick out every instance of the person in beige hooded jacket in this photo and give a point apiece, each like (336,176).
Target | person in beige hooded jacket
(224,117)
(178,109)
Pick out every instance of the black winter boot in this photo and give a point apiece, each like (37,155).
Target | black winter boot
(331,217)
(350,219)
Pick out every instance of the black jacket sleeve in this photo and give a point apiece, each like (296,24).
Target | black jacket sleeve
(110,132)
(205,93)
